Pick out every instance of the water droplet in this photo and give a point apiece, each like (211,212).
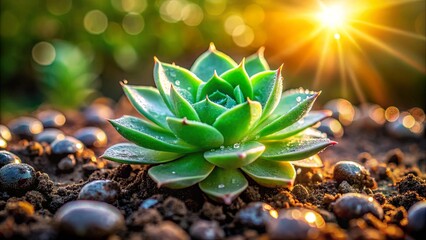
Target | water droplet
(233,180)
(298,99)
(221,186)
(177,82)
(173,172)
(172,74)
(236,145)
(222,147)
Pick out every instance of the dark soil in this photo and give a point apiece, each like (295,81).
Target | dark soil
(396,181)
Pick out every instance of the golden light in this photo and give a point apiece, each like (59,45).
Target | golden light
(310,217)
(332,16)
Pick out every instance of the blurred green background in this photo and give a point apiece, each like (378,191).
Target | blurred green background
(65,53)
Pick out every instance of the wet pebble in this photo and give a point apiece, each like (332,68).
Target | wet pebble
(331,127)
(92,137)
(348,171)
(17,177)
(26,127)
(165,230)
(295,224)
(5,133)
(355,205)
(51,118)
(206,230)
(67,163)
(8,157)
(69,145)
(97,114)
(256,214)
(100,190)
(49,135)
(88,219)
(417,220)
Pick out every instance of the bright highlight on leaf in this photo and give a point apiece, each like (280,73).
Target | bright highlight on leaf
(211,124)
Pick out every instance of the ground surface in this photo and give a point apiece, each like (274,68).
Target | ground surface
(396,181)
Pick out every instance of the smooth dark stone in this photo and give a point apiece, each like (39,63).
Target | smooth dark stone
(97,114)
(17,177)
(51,118)
(88,219)
(26,127)
(165,230)
(92,137)
(256,214)
(100,190)
(348,171)
(69,145)
(417,220)
(5,133)
(206,230)
(148,203)
(8,157)
(67,163)
(49,135)
(355,205)
(331,127)
(295,224)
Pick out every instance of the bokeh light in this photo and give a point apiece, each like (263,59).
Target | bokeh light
(95,22)
(43,53)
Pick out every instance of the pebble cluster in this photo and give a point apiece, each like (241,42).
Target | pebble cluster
(122,202)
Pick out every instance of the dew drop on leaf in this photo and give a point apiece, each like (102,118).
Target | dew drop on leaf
(236,145)
(299,99)
(221,186)
(177,82)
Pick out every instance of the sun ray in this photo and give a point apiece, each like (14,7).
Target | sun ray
(321,63)
(342,69)
(392,30)
(376,42)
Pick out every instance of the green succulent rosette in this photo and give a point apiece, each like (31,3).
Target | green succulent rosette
(218,123)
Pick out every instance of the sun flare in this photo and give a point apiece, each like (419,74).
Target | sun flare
(332,16)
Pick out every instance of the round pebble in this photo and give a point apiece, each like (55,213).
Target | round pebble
(51,118)
(256,214)
(206,230)
(8,157)
(5,133)
(17,177)
(92,137)
(295,224)
(69,145)
(26,127)
(49,135)
(355,205)
(67,163)
(88,219)
(100,190)
(348,171)
(417,220)
(148,203)
(97,114)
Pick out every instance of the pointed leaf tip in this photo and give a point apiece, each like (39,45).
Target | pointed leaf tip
(212,47)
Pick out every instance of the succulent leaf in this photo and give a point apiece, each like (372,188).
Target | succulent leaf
(223,99)
(267,88)
(210,61)
(238,94)
(130,153)
(290,117)
(235,123)
(238,76)
(148,102)
(291,98)
(208,111)
(271,173)
(304,123)
(184,82)
(235,156)
(148,135)
(181,173)
(195,133)
(310,162)
(182,107)
(294,148)
(224,185)
(216,83)
(256,63)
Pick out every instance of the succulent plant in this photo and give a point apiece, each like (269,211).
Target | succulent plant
(218,123)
